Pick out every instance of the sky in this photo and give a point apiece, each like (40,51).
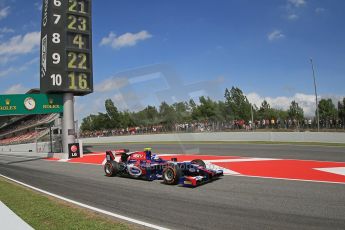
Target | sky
(146,52)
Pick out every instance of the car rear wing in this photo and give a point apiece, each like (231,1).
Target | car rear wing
(109,156)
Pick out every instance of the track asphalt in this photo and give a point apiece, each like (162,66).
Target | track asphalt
(232,202)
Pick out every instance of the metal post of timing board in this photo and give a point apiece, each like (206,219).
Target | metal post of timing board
(51,138)
(68,131)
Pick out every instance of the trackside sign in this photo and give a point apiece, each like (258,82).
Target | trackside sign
(73,150)
(26,104)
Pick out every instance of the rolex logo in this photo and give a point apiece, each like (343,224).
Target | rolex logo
(51,101)
(8,101)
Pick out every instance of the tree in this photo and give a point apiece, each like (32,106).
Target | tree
(151,114)
(113,114)
(341,111)
(87,124)
(237,104)
(146,117)
(327,110)
(182,111)
(126,120)
(206,109)
(296,112)
(265,111)
(192,109)
(265,106)
(167,114)
(281,114)
(101,122)
(222,111)
(191,104)
(95,122)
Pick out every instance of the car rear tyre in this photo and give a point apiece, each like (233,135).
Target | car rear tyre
(111,168)
(199,162)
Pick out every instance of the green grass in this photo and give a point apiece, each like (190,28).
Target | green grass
(223,142)
(43,212)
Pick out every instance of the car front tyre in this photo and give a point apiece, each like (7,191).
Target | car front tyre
(171,175)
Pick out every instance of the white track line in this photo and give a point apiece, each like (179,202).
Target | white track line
(226,171)
(63,160)
(335,170)
(88,207)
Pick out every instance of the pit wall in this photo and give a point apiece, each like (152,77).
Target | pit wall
(325,137)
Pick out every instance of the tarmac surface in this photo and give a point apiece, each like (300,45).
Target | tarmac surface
(229,203)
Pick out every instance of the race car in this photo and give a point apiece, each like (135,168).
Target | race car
(148,166)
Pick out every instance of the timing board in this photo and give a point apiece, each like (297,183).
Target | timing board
(66,47)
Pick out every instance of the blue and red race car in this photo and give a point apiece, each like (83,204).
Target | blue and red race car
(148,166)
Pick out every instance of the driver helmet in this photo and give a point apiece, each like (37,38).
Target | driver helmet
(148,153)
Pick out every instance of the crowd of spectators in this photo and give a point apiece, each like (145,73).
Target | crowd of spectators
(236,125)
(127,131)
(305,124)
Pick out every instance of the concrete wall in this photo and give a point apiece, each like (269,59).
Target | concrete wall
(325,137)
(37,150)
(42,147)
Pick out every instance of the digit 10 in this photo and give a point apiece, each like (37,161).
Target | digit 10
(57,79)
(82,81)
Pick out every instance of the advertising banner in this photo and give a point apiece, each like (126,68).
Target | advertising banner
(26,104)
(73,150)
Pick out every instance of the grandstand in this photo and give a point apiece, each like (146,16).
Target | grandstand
(28,128)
